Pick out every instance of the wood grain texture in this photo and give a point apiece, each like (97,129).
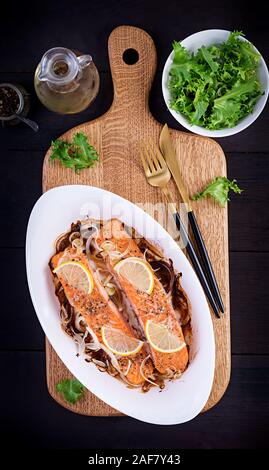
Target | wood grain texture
(116,135)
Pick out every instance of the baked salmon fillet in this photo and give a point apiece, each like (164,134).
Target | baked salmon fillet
(156,306)
(98,310)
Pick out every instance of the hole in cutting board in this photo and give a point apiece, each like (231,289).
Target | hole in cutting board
(130,56)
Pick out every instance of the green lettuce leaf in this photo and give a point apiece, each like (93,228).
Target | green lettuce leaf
(219,189)
(209,59)
(77,155)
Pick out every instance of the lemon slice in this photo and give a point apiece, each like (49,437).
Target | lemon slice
(120,343)
(137,272)
(161,339)
(76,275)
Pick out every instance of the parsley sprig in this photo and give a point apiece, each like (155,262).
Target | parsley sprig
(71,389)
(77,155)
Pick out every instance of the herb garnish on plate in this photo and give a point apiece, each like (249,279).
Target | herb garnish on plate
(77,155)
(217,86)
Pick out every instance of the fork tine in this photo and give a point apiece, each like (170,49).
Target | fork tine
(148,158)
(159,156)
(153,155)
(145,165)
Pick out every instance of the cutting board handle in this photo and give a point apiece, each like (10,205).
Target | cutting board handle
(133,60)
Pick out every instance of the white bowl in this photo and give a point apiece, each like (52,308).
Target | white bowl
(193,43)
(182,399)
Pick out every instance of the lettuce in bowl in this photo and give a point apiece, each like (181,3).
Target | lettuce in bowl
(218,85)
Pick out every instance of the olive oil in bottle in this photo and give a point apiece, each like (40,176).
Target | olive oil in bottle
(66,82)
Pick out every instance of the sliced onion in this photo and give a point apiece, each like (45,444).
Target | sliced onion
(107,280)
(165,273)
(92,347)
(89,230)
(99,363)
(79,338)
(104,275)
(113,255)
(80,323)
(172,374)
(128,367)
(112,374)
(114,360)
(142,373)
(116,366)
(78,244)
(131,385)
(89,235)
(93,242)
(73,236)
(62,238)
(110,288)
(177,374)
(145,255)
(65,318)
(88,246)
(95,341)
(108,245)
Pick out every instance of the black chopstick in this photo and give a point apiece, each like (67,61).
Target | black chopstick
(205,259)
(196,263)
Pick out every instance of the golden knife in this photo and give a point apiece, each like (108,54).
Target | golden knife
(169,154)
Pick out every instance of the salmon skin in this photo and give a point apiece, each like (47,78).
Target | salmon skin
(98,310)
(142,306)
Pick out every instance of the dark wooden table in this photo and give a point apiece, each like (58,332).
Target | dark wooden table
(28,414)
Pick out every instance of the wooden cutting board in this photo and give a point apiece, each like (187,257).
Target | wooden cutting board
(116,135)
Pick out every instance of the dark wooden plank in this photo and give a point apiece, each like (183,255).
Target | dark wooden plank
(33,420)
(85,26)
(249,278)
(253,139)
(20,188)
(20,326)
(248,214)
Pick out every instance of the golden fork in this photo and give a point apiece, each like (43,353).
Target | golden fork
(156,170)
(158,175)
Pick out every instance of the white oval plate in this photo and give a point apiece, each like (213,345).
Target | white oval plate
(52,215)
